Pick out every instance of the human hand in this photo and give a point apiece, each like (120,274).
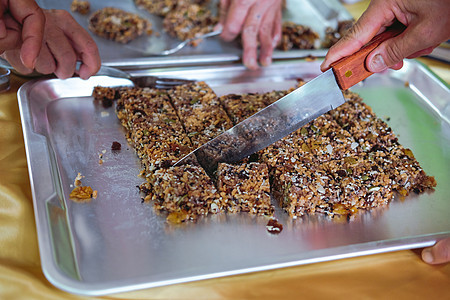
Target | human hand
(258,22)
(437,254)
(21,25)
(65,42)
(427,25)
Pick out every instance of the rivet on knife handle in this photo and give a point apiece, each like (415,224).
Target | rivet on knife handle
(352,69)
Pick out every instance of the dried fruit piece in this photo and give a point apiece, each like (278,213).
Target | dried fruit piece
(82,193)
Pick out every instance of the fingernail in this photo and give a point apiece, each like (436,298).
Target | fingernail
(427,256)
(377,64)
(251,64)
(266,61)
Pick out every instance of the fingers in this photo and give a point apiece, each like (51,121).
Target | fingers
(12,39)
(66,42)
(392,51)
(254,27)
(426,26)
(45,63)
(277,30)
(223,9)
(235,19)
(423,52)
(32,19)
(438,254)
(371,22)
(13,57)
(2,23)
(267,34)
(82,44)
(258,22)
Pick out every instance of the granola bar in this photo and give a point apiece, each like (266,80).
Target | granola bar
(186,190)
(245,187)
(241,106)
(153,127)
(295,36)
(163,7)
(333,35)
(118,25)
(188,21)
(200,111)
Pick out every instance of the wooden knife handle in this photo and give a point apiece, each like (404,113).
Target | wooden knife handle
(352,69)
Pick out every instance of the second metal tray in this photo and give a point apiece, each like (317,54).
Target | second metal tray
(318,14)
(115,243)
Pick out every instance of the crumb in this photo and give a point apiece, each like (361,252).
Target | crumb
(116,146)
(273,226)
(79,6)
(177,217)
(82,194)
(77,181)
(311,58)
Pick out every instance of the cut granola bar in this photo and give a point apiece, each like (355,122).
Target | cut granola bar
(153,127)
(186,190)
(200,111)
(245,187)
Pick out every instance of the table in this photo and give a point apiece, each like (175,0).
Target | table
(395,275)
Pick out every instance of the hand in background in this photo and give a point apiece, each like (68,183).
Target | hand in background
(64,43)
(22,28)
(258,22)
(427,25)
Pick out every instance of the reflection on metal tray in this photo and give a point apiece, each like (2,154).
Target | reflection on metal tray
(318,16)
(115,243)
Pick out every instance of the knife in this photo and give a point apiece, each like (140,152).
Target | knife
(289,113)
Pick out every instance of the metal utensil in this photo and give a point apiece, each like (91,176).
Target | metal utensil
(177,48)
(291,112)
(144,81)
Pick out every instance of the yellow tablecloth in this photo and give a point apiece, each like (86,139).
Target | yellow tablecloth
(396,275)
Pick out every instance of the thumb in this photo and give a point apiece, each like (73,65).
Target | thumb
(439,253)
(390,53)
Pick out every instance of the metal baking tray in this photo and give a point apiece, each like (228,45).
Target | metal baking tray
(115,243)
(318,14)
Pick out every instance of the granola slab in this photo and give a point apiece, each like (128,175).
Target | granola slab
(152,127)
(199,109)
(296,36)
(185,190)
(188,20)
(163,7)
(245,187)
(341,162)
(118,25)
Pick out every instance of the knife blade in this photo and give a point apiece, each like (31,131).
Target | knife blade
(289,113)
